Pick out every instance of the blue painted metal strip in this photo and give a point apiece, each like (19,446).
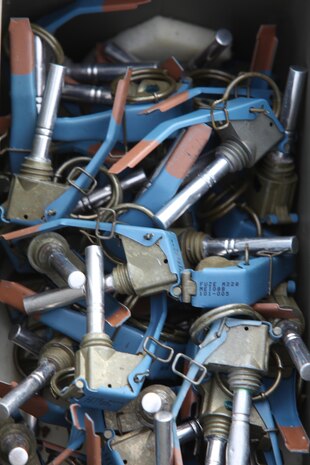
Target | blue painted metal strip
(24,116)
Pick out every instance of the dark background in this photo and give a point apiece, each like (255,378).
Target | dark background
(242,17)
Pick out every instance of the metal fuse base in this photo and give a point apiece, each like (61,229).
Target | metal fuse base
(102,366)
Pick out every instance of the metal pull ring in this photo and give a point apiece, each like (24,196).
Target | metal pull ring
(148,85)
(234,83)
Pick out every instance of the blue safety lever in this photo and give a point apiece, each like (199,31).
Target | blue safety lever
(148,248)
(76,8)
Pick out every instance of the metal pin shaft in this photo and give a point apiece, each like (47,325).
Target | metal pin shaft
(104,72)
(95,289)
(189,431)
(26,339)
(216,449)
(222,40)
(163,437)
(224,247)
(239,436)
(99,196)
(296,347)
(292,97)
(69,272)
(114,51)
(40,70)
(87,94)
(47,116)
(291,103)
(26,389)
(56,298)
(51,251)
(192,192)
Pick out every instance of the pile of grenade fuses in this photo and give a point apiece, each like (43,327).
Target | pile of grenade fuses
(148,255)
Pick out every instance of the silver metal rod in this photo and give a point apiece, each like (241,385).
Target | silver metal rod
(198,166)
(47,116)
(192,192)
(26,389)
(163,437)
(104,72)
(222,40)
(69,272)
(99,196)
(224,247)
(239,435)
(26,339)
(189,431)
(87,94)
(40,70)
(296,347)
(57,298)
(95,289)
(292,97)
(216,450)
(291,103)
(51,251)
(54,298)
(114,51)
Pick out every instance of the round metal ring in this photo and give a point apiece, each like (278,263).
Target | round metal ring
(122,207)
(47,37)
(246,76)
(61,376)
(51,41)
(205,74)
(151,74)
(254,217)
(219,208)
